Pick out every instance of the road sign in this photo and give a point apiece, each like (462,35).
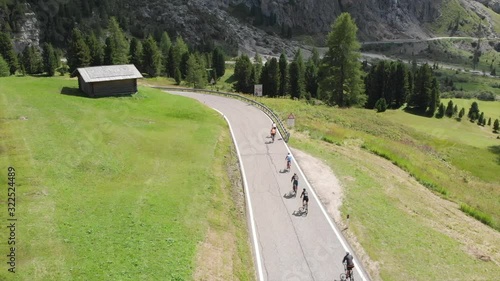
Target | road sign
(257,90)
(291,120)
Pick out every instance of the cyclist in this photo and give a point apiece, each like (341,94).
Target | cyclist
(288,160)
(348,261)
(295,180)
(273,126)
(305,200)
(273,133)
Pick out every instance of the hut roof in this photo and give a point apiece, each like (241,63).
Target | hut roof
(107,73)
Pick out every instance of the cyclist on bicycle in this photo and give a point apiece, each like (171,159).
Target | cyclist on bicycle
(348,261)
(273,133)
(288,160)
(295,180)
(305,200)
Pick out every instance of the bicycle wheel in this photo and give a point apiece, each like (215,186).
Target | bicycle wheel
(342,277)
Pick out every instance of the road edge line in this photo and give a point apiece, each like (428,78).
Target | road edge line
(325,213)
(249,202)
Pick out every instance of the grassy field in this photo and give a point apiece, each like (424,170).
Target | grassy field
(407,232)
(116,188)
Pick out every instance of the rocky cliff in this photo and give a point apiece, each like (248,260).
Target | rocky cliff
(263,26)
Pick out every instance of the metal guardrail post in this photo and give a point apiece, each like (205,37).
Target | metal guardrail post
(281,127)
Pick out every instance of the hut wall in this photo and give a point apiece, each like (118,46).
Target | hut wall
(110,88)
(85,87)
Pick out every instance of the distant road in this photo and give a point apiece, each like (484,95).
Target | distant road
(423,40)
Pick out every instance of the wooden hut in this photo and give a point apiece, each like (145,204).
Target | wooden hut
(108,80)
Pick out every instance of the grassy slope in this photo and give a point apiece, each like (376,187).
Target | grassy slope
(461,172)
(108,189)
(404,237)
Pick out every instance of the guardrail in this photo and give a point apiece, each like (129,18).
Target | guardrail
(274,117)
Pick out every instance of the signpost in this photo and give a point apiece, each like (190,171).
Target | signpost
(257,90)
(291,120)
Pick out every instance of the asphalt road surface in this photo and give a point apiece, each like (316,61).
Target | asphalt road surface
(287,245)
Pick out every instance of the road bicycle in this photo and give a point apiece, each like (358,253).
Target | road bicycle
(305,207)
(288,163)
(347,274)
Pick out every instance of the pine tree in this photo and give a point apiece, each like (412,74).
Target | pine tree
(7,52)
(449,109)
(137,54)
(4,67)
(480,119)
(496,126)
(461,113)
(455,110)
(422,93)
(78,51)
(32,60)
(341,80)
(151,57)
(257,68)
(183,64)
(296,82)
(381,105)
(49,59)
(175,55)
(20,66)
(118,48)
(218,62)
(243,74)
(315,57)
(96,50)
(441,111)
(165,45)
(177,76)
(195,72)
(489,121)
(283,69)
(473,112)
(272,78)
(296,73)
(311,79)
(400,84)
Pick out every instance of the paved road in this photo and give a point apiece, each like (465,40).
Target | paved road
(286,246)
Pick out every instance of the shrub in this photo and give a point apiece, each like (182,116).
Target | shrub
(480,216)
(485,96)
(4,68)
(381,105)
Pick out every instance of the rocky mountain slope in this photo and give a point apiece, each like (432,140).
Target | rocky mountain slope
(265,26)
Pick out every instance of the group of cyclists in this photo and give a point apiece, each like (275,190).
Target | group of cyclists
(295,177)
(348,258)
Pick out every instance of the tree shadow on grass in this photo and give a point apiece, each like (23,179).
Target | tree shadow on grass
(495,149)
(417,111)
(231,79)
(73,92)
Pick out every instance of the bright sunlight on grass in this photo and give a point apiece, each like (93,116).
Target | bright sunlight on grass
(109,188)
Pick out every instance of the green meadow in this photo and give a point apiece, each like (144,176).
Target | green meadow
(115,188)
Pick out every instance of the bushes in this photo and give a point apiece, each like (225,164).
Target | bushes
(381,105)
(480,95)
(480,216)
